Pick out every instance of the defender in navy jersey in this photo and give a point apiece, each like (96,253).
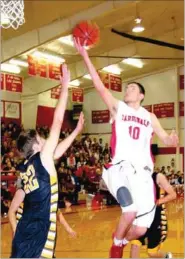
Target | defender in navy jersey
(157,233)
(35,233)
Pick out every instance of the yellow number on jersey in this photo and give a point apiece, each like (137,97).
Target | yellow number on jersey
(29,180)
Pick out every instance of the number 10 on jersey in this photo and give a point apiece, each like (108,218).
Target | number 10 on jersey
(134,132)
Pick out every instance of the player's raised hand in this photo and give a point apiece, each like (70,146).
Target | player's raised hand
(80,124)
(174,138)
(65,76)
(81,49)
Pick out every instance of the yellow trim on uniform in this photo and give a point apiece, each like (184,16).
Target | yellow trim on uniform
(136,242)
(54,189)
(154,250)
(50,244)
(47,254)
(53,179)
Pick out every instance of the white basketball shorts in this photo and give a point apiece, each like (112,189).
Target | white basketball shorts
(141,187)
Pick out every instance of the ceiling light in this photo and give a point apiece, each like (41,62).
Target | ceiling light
(68,40)
(87,77)
(18,62)
(138,27)
(114,69)
(10,68)
(4,19)
(75,82)
(48,56)
(133,62)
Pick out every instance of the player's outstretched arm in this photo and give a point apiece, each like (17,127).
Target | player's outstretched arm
(108,98)
(165,185)
(66,143)
(16,202)
(52,141)
(66,225)
(168,140)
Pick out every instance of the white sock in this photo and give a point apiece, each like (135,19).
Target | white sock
(118,242)
(125,241)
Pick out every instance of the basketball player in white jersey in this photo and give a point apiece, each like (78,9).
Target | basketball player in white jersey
(128,177)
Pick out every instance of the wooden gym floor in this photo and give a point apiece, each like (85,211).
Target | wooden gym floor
(95,227)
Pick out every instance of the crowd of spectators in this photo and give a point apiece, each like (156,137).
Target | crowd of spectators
(79,169)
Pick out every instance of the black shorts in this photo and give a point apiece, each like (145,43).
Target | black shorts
(157,233)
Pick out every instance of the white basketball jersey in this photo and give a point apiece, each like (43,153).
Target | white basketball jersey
(131,136)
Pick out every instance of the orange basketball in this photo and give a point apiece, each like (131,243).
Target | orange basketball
(87,32)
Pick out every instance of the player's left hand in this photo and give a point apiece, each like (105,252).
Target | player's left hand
(71,232)
(174,138)
(80,124)
(65,76)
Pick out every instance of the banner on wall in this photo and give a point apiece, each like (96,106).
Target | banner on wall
(55,92)
(105,78)
(54,71)
(148,107)
(164,110)
(13,83)
(77,95)
(12,110)
(181,82)
(45,117)
(181,109)
(100,116)
(2,81)
(37,67)
(2,109)
(115,83)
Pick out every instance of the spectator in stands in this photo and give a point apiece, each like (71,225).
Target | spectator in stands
(106,149)
(162,170)
(71,161)
(168,171)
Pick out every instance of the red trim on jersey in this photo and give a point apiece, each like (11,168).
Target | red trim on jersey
(152,157)
(113,140)
(107,166)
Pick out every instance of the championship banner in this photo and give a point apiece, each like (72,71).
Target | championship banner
(181,109)
(164,110)
(102,116)
(77,95)
(54,71)
(37,66)
(12,110)
(181,82)
(148,108)
(105,78)
(2,81)
(2,109)
(115,83)
(55,92)
(13,83)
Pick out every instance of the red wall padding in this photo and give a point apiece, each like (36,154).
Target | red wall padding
(45,117)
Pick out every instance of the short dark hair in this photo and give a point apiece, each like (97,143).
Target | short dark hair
(141,87)
(25,142)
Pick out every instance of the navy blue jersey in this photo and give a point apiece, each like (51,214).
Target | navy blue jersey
(36,230)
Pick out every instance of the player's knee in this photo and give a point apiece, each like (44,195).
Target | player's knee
(124,197)
(140,231)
